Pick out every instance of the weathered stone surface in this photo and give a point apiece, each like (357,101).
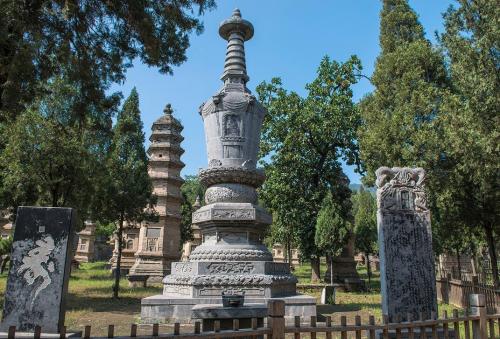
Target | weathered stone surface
(40,266)
(231,257)
(408,283)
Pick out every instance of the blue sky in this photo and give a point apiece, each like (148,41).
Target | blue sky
(291,37)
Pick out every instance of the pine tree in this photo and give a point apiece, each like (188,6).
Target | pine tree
(332,230)
(130,187)
(365,225)
(471,42)
(399,118)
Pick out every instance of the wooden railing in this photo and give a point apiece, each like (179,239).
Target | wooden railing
(476,325)
(457,292)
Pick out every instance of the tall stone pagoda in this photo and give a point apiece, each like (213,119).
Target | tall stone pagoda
(231,257)
(159,242)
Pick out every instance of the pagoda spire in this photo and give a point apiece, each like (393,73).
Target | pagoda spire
(236,31)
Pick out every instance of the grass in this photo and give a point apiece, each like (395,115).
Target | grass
(89,300)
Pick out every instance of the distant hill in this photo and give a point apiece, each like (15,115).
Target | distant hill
(356,187)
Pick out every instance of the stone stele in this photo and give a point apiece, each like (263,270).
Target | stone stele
(231,257)
(40,266)
(407,276)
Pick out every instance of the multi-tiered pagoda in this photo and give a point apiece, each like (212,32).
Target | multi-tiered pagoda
(159,242)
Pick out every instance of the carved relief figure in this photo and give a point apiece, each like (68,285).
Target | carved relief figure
(401,188)
(232,125)
(37,264)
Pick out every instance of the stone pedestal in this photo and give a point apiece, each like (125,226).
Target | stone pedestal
(231,257)
(208,314)
(344,270)
(407,276)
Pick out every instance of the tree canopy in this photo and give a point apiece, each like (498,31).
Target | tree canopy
(305,139)
(96,41)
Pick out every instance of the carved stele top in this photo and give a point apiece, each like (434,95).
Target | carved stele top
(401,189)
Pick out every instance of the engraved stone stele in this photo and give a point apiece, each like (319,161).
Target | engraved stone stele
(231,257)
(408,283)
(40,266)
(159,242)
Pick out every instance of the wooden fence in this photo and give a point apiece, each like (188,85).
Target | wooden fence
(457,292)
(476,325)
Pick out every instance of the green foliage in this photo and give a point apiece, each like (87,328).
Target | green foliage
(130,190)
(470,186)
(304,140)
(105,229)
(365,222)
(191,189)
(5,246)
(52,158)
(332,228)
(400,117)
(95,40)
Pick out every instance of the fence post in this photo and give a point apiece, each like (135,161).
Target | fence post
(478,308)
(475,283)
(276,318)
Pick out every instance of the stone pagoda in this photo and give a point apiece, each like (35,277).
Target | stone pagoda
(231,257)
(159,242)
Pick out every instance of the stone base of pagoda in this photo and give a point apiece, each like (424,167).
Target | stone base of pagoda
(149,270)
(202,282)
(178,308)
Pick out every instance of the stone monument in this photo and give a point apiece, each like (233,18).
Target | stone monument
(159,242)
(344,269)
(232,257)
(130,245)
(408,282)
(40,266)
(86,243)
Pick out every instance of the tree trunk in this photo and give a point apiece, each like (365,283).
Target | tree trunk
(289,253)
(315,270)
(331,270)
(116,286)
(459,264)
(493,254)
(368,269)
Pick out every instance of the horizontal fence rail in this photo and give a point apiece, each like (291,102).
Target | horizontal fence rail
(474,325)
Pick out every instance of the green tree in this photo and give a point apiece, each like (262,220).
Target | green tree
(5,251)
(50,158)
(471,42)
(303,140)
(400,117)
(365,225)
(130,190)
(191,190)
(96,40)
(332,230)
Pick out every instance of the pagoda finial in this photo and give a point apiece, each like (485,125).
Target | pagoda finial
(236,31)
(168,109)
